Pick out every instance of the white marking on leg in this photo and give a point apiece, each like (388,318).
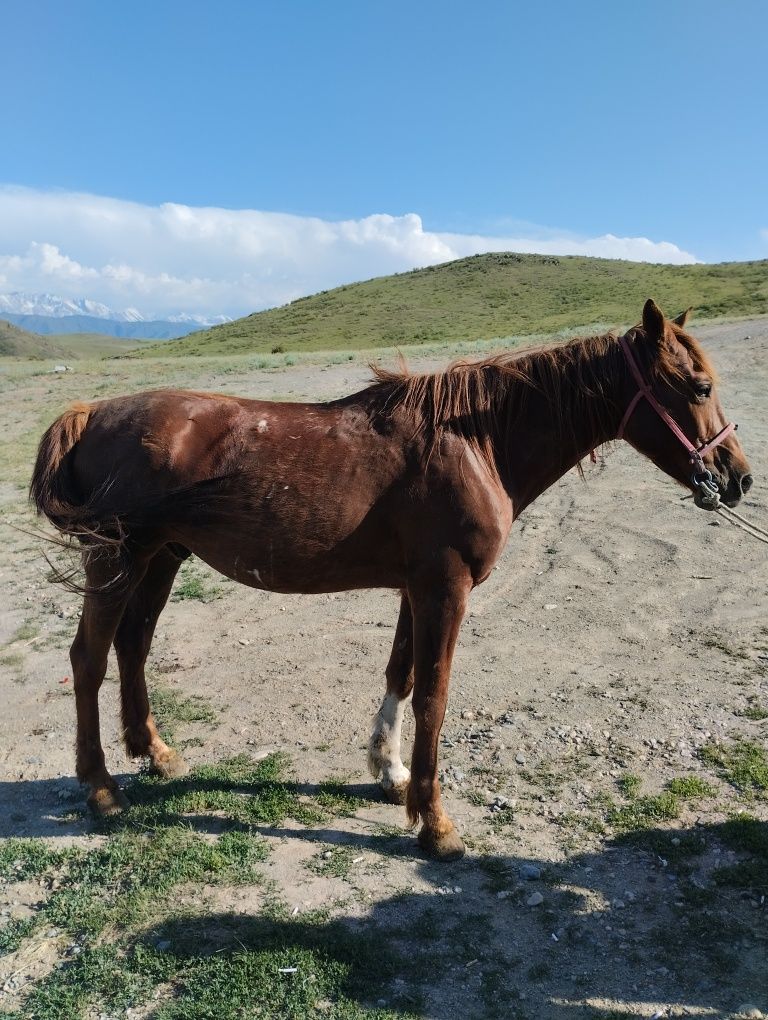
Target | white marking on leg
(384,759)
(262,425)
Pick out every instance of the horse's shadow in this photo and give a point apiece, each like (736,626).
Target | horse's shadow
(468,944)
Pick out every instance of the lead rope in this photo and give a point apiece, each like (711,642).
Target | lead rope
(741,522)
(729,515)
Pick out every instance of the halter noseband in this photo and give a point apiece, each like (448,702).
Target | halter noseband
(701,477)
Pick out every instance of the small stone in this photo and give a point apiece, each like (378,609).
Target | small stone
(530,872)
(534,900)
(468,714)
(163,944)
(747,1009)
(520,758)
(550,605)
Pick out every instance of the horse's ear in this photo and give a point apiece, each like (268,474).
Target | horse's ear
(653,320)
(682,318)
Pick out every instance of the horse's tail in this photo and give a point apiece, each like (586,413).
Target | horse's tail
(52,488)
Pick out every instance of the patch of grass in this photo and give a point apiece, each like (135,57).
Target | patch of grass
(643,812)
(334,797)
(170,708)
(498,872)
(194,583)
(675,846)
(25,632)
(502,819)
(333,861)
(691,787)
(629,784)
(745,834)
(754,711)
(244,792)
(588,822)
(21,859)
(741,763)
(13,933)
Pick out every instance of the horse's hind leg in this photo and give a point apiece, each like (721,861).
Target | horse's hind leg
(98,622)
(384,759)
(132,642)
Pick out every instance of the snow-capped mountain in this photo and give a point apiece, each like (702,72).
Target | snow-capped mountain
(200,320)
(20,303)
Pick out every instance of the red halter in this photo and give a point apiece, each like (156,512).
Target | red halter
(701,476)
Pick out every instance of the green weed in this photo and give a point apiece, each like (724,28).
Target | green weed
(195,584)
(691,788)
(741,763)
(643,812)
(334,861)
(755,711)
(333,797)
(170,709)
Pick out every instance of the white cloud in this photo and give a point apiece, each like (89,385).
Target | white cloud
(176,258)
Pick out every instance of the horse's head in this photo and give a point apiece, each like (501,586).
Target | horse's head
(681,414)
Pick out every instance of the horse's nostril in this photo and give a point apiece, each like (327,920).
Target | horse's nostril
(746,483)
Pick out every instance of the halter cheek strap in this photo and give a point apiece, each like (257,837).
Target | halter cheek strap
(701,476)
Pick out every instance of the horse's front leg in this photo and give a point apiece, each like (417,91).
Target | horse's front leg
(384,759)
(438,609)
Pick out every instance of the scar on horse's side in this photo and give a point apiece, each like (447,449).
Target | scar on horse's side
(411,484)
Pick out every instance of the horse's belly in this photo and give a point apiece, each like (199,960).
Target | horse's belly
(302,559)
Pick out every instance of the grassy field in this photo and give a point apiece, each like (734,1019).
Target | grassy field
(94,345)
(484,297)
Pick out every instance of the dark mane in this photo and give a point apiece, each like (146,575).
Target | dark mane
(480,399)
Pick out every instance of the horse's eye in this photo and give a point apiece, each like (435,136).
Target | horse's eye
(703,389)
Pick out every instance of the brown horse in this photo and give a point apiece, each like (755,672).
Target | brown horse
(411,484)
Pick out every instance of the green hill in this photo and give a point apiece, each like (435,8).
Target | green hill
(483,297)
(20,343)
(16,342)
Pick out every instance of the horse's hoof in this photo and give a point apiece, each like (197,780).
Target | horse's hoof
(105,801)
(397,793)
(441,846)
(172,767)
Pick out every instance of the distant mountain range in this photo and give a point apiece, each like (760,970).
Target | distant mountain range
(49,313)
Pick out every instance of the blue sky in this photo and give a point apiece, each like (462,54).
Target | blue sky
(554,123)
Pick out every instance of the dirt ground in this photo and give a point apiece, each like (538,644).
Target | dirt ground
(622,631)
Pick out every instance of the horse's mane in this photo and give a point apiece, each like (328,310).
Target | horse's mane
(579,380)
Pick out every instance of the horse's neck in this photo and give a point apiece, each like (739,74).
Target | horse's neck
(539,449)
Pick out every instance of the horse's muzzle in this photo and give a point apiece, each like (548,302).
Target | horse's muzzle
(732,487)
